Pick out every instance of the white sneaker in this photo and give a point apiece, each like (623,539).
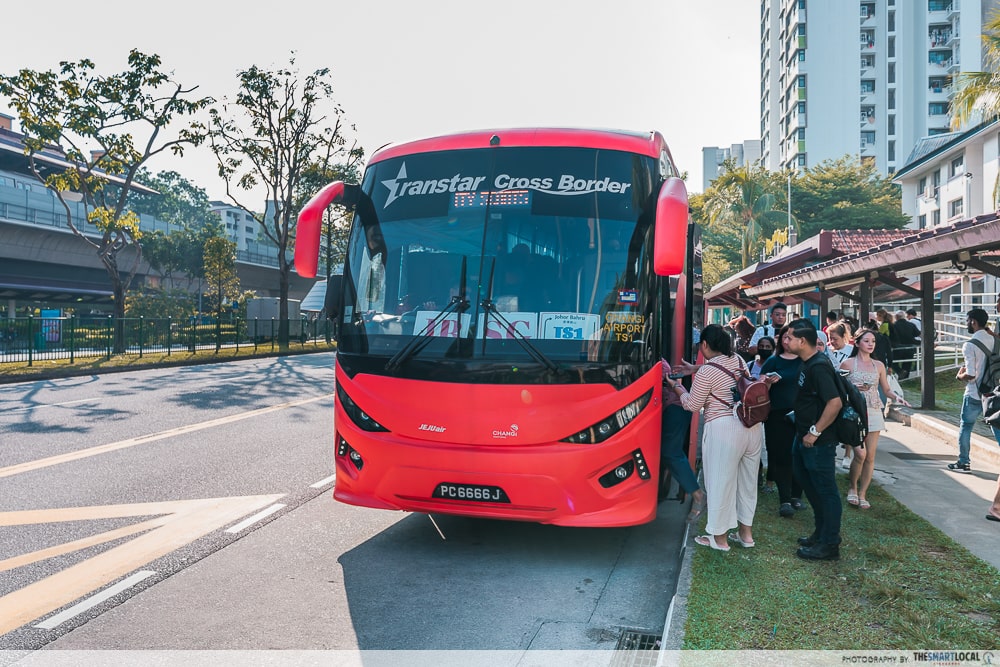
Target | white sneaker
(845,463)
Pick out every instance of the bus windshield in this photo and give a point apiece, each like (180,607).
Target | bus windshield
(531,257)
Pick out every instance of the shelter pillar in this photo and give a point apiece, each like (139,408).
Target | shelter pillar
(927,329)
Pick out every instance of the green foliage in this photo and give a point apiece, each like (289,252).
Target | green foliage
(977,94)
(845,194)
(150,303)
(222,283)
(746,199)
(75,110)
(177,201)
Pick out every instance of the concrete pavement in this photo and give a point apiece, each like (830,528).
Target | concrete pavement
(912,455)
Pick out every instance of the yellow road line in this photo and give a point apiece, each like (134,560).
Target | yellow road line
(76,545)
(28,466)
(189,520)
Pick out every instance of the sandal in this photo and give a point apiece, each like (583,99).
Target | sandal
(864,504)
(697,509)
(852,499)
(735,537)
(709,541)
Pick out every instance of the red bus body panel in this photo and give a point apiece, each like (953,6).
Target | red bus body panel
(506,436)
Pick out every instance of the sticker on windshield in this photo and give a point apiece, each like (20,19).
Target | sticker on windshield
(628,297)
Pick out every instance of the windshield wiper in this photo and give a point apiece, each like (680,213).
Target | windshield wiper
(490,308)
(458,304)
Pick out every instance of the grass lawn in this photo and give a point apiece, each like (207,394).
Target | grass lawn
(45,369)
(900,583)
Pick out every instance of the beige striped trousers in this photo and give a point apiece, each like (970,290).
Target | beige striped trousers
(730,457)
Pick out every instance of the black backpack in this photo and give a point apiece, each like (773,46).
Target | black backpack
(851,425)
(991,378)
(989,384)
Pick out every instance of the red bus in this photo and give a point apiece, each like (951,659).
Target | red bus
(506,298)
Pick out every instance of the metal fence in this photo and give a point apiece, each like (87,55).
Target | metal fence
(32,339)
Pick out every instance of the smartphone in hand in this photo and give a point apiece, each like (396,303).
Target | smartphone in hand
(675,376)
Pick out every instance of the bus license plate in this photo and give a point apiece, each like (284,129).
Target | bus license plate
(473,492)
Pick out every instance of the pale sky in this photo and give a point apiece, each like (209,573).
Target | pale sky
(404,69)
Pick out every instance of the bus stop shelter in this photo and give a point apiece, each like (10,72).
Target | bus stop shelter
(790,277)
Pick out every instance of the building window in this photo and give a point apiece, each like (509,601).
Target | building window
(937,108)
(802,80)
(801,107)
(922,185)
(867,139)
(891,157)
(922,222)
(867,86)
(802,134)
(955,208)
(801,159)
(802,55)
(957,166)
(936,218)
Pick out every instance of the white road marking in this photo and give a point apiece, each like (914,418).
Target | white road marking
(94,600)
(255,518)
(323,482)
(152,437)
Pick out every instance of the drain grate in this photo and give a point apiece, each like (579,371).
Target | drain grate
(636,649)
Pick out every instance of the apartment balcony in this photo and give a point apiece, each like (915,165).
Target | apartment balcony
(953,11)
(867,149)
(954,66)
(939,39)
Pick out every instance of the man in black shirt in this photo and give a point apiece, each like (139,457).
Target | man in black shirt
(814,450)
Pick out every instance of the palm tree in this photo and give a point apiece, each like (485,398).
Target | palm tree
(977,94)
(742,199)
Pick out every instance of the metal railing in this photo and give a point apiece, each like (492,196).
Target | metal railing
(33,339)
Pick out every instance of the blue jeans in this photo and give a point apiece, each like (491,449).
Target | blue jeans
(815,470)
(674,434)
(972,410)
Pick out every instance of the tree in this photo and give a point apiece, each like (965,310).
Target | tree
(222,283)
(977,94)
(744,198)
(184,205)
(266,138)
(75,109)
(848,193)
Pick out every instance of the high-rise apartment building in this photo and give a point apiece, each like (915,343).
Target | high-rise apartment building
(712,158)
(868,77)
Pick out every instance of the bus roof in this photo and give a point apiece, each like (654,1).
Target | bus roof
(642,143)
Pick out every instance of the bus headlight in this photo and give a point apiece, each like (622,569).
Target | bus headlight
(357,415)
(607,427)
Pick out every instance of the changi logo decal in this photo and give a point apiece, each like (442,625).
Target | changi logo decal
(566,184)
(503,434)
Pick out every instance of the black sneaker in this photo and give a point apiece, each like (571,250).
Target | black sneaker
(786,510)
(797,504)
(807,541)
(959,467)
(819,552)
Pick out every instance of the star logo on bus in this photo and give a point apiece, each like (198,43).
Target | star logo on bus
(393,185)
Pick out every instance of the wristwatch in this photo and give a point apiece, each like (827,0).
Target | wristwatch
(814,432)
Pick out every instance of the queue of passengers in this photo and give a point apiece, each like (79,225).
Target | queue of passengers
(800,369)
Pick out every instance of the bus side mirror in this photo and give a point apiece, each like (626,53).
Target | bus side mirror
(670,236)
(308,229)
(334,298)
